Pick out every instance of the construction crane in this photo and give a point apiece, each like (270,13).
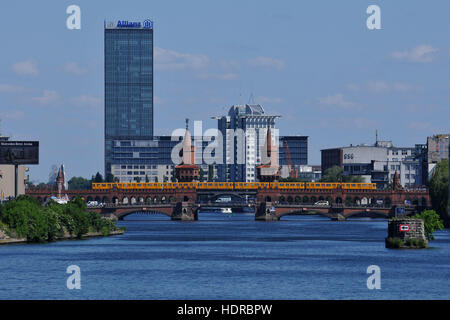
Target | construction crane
(293,173)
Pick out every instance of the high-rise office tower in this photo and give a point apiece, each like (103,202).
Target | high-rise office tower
(128,89)
(244,132)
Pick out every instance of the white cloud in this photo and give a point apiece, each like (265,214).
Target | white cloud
(379,86)
(353,87)
(172,60)
(48,97)
(28,67)
(219,76)
(267,62)
(229,65)
(86,100)
(262,99)
(383,87)
(337,100)
(424,126)
(10,88)
(12,115)
(422,53)
(75,69)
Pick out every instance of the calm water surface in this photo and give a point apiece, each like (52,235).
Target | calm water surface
(229,257)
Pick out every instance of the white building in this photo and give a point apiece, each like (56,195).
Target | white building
(244,132)
(377,163)
(7,179)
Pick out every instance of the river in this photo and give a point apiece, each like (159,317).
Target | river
(229,257)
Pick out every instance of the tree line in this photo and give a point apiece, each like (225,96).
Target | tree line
(25,217)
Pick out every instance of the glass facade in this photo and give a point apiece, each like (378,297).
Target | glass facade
(298,148)
(128,87)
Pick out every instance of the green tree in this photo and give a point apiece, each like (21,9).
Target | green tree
(335,174)
(201,175)
(156,179)
(439,191)
(332,174)
(79,183)
(77,210)
(147,179)
(138,179)
(98,178)
(109,177)
(431,222)
(26,217)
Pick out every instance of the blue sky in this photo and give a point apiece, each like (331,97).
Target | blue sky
(313,62)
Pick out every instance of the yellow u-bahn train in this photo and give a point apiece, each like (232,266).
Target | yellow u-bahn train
(232,185)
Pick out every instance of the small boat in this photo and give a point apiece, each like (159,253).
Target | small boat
(226,210)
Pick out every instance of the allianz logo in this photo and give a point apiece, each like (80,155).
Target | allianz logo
(146,24)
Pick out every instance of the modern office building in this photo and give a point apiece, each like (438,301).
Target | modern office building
(244,132)
(296,147)
(376,163)
(128,90)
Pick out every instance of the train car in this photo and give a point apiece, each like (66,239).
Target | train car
(322,185)
(289,185)
(153,185)
(246,185)
(187,185)
(170,185)
(263,185)
(206,185)
(359,186)
(295,185)
(102,186)
(215,185)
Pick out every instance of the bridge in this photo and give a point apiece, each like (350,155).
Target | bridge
(268,204)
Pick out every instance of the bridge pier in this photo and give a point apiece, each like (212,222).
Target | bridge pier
(338,217)
(184,211)
(266,212)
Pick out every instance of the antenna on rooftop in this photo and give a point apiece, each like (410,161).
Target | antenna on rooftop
(187,124)
(251,100)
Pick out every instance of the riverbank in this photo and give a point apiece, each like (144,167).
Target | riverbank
(26,220)
(8,240)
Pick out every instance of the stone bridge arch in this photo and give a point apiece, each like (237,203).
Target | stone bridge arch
(122,213)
